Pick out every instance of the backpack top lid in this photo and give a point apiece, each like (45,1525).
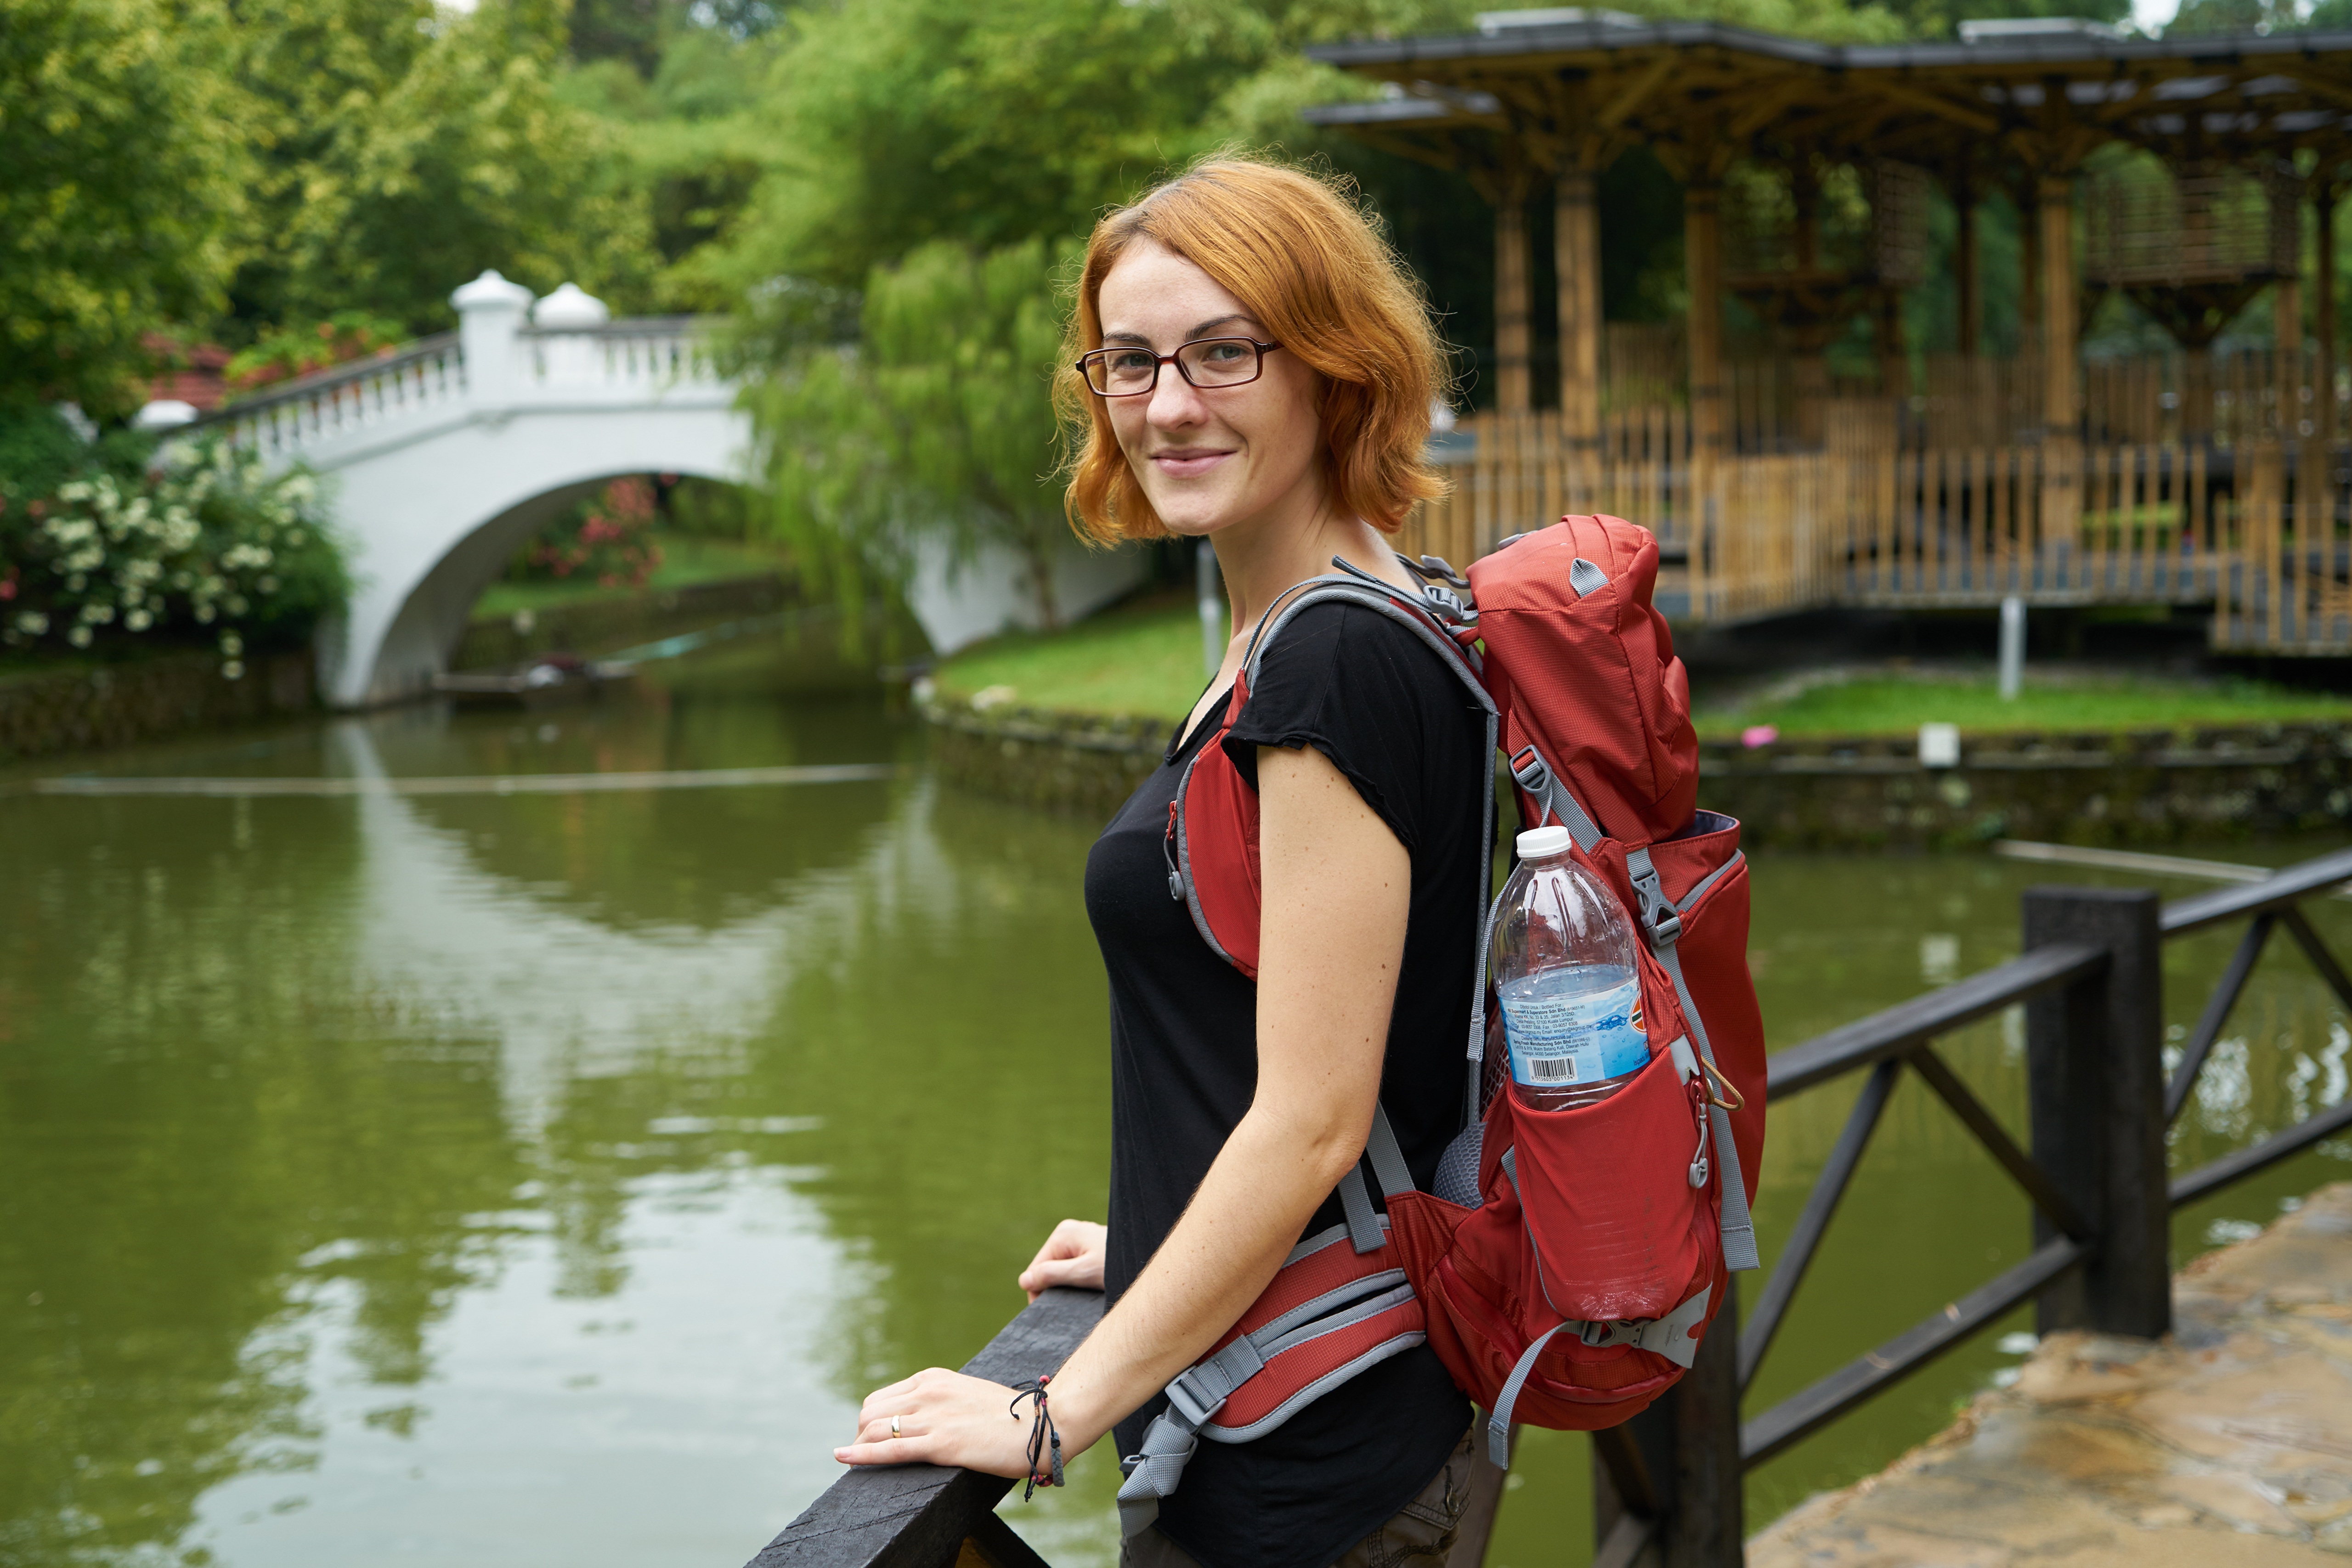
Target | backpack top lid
(1583,668)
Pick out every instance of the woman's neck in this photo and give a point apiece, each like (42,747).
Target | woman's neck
(1266,555)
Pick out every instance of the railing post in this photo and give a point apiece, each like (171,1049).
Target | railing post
(1678,1463)
(2096,1077)
(490,313)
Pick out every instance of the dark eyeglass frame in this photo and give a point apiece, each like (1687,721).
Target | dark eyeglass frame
(1160,361)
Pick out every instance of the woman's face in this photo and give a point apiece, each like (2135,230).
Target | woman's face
(1207,458)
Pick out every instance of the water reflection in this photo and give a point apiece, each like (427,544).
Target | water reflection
(540,1179)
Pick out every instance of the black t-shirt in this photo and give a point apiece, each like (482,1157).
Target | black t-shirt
(1388,713)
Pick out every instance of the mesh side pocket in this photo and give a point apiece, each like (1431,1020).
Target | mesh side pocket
(1457,1168)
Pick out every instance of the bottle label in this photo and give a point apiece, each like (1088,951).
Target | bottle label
(1557,1041)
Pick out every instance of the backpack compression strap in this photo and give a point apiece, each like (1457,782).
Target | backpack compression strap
(1335,1311)
(1661,923)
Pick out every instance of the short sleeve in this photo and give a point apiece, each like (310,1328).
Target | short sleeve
(1371,696)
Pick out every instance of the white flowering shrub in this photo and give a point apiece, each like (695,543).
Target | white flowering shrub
(212,547)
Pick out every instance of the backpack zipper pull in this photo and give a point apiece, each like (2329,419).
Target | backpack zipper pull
(1168,850)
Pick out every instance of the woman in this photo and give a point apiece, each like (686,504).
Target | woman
(1257,369)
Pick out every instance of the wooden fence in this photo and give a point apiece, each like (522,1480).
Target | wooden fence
(2100,1101)
(2263,531)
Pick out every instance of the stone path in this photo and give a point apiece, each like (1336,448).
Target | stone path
(2227,1446)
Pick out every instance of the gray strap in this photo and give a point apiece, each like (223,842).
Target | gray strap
(1388,1160)
(1363,1225)
(1699,889)
(1169,1443)
(1349,1316)
(1660,916)
(1153,1472)
(1738,1225)
(1272,1338)
(1201,1390)
(1585,577)
(1535,775)
(1489,901)
(1498,1423)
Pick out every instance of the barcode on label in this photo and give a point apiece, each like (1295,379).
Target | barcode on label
(1552,1069)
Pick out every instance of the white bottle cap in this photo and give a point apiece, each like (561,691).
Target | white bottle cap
(1541,843)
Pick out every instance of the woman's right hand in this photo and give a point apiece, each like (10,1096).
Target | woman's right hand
(1073,1255)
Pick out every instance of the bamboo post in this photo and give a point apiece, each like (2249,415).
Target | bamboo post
(1964,268)
(2029,281)
(1703,262)
(1513,387)
(2060,498)
(1576,252)
(2323,300)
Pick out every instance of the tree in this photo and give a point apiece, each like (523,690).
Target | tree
(404,148)
(120,185)
(938,426)
(902,121)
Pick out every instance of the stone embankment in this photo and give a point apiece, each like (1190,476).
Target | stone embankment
(2120,788)
(2227,1445)
(1062,761)
(84,708)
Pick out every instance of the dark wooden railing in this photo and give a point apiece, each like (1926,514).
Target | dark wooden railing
(1669,1481)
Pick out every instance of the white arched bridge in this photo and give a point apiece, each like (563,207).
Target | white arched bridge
(448,455)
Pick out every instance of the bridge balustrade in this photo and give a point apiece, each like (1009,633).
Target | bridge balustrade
(2100,1102)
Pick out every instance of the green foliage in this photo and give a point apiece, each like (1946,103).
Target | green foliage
(119,190)
(284,353)
(902,121)
(939,426)
(405,148)
(2197,16)
(694,141)
(208,545)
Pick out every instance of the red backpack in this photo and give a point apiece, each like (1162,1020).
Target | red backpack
(1568,1261)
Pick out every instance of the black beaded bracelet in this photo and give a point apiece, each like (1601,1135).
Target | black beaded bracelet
(1044,1441)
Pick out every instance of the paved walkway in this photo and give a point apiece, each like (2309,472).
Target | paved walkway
(2227,1446)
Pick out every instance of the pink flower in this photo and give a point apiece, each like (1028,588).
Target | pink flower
(1757,735)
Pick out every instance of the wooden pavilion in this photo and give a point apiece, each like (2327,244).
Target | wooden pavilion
(2158,479)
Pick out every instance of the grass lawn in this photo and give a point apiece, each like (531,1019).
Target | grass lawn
(1142,659)
(687,559)
(1896,703)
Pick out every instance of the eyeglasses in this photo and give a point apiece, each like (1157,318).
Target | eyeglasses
(1206,362)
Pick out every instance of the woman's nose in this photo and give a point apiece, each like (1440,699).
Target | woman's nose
(1175,401)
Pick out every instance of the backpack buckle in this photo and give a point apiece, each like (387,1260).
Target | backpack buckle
(1529,770)
(1658,911)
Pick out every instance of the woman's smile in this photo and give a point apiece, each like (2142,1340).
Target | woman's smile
(1189,462)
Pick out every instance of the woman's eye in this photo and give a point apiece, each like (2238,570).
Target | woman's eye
(1221,353)
(1132,362)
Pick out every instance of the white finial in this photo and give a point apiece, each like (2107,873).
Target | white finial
(570,307)
(493,291)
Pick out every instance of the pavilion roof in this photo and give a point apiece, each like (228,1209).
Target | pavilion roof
(1548,93)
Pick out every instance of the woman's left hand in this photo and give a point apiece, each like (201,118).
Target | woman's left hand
(947,1419)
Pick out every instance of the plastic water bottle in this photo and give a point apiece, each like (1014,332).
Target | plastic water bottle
(1571,984)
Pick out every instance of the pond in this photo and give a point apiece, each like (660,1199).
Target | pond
(540,1179)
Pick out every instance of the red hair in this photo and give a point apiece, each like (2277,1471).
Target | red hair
(1313,269)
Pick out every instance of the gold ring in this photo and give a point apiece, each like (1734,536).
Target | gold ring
(894,1426)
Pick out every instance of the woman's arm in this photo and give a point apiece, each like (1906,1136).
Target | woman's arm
(1330,940)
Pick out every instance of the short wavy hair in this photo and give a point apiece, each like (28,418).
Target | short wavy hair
(1313,267)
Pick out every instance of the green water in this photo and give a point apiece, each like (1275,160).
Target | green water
(541,1179)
